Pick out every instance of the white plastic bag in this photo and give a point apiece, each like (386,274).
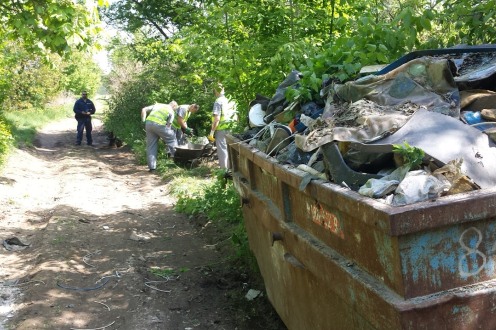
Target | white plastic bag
(418,186)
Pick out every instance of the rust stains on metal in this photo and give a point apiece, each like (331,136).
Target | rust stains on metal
(333,259)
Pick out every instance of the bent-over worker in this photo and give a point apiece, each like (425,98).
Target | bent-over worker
(158,125)
(180,121)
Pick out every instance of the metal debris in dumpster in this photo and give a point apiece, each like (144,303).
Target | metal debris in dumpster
(334,259)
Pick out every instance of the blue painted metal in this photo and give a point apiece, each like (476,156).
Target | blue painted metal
(449,257)
(333,259)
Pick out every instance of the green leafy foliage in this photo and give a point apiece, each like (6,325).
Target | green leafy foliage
(81,73)
(53,25)
(28,80)
(251,46)
(35,36)
(412,156)
(217,199)
(31,80)
(6,139)
(156,15)
(124,119)
(239,238)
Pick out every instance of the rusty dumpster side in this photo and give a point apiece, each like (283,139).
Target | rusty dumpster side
(333,259)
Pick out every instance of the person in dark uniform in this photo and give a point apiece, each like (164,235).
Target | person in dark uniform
(84,108)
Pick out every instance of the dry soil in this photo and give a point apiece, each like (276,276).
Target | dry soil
(106,250)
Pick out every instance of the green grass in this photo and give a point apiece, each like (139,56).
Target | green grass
(217,199)
(18,127)
(24,124)
(163,272)
(6,139)
(186,186)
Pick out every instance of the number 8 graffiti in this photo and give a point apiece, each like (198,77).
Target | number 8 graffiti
(470,251)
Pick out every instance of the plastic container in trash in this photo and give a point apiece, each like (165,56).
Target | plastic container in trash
(256,116)
(472,117)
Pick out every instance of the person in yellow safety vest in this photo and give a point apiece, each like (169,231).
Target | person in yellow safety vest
(180,121)
(224,116)
(158,125)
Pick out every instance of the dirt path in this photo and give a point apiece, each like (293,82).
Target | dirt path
(98,225)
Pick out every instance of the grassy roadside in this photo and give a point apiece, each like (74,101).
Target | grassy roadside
(24,124)
(18,128)
(215,198)
(203,193)
(200,191)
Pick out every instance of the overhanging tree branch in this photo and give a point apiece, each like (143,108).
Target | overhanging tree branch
(142,11)
(159,29)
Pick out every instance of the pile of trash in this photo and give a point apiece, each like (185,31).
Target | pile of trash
(440,104)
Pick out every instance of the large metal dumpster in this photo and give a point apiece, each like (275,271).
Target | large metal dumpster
(333,259)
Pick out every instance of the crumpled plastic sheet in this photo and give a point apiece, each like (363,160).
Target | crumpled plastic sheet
(377,188)
(418,186)
(293,155)
(424,81)
(379,105)
(374,123)
(404,187)
(452,172)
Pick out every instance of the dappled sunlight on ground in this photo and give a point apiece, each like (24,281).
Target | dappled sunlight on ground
(105,245)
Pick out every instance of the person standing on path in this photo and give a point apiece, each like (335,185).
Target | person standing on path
(158,125)
(84,108)
(180,121)
(223,118)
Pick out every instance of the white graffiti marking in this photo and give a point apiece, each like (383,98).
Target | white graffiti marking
(471,251)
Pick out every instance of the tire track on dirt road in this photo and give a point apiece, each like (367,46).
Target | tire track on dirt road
(100,229)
